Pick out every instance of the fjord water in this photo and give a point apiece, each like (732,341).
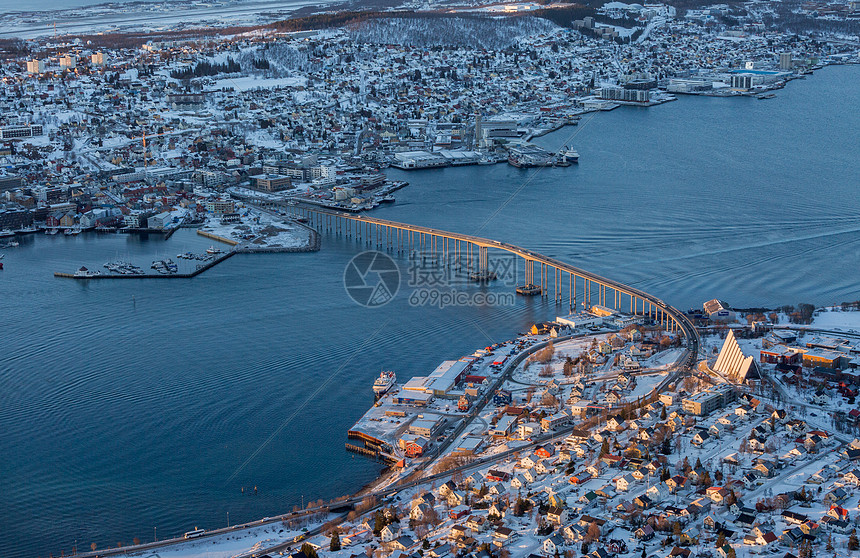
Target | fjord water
(133,405)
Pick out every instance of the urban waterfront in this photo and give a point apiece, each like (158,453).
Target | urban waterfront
(160,416)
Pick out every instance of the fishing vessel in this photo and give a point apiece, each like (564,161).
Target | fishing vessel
(384,383)
(213,250)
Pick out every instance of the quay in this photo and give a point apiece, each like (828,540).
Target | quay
(191,275)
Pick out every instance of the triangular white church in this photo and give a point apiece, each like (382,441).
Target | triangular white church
(732,362)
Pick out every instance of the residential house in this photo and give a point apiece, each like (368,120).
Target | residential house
(553,545)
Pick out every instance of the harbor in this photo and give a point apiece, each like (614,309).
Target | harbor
(422,416)
(86,274)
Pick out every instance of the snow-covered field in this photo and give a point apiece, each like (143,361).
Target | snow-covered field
(835,318)
(259,230)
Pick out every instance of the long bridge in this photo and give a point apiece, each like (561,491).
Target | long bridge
(554,278)
(406,238)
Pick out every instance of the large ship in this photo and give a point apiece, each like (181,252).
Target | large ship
(569,155)
(383,383)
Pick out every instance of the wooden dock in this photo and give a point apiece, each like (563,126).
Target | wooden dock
(371,453)
(191,275)
(216,237)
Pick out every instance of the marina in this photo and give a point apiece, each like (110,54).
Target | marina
(165,270)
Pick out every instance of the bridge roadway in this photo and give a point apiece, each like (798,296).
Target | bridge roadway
(668,316)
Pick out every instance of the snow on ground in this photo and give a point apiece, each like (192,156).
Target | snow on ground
(834,318)
(252,82)
(229,544)
(260,230)
(663,359)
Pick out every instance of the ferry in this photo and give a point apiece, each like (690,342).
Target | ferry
(384,383)
(569,155)
(213,250)
(84,272)
(6,233)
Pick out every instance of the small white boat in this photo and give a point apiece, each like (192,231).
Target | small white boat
(6,233)
(384,383)
(84,272)
(213,250)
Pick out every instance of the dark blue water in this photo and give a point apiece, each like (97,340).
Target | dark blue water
(130,405)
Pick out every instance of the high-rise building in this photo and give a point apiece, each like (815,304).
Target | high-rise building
(36,66)
(785,61)
(69,61)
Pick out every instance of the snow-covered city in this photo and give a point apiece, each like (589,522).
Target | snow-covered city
(616,425)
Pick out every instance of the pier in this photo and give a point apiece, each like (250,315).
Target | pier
(200,269)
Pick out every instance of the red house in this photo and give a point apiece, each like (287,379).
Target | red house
(545,451)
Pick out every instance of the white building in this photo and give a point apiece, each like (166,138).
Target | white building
(69,62)
(580,319)
(36,67)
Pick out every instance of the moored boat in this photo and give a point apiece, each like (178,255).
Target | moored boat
(384,383)
(84,272)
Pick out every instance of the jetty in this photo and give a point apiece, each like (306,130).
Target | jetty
(200,269)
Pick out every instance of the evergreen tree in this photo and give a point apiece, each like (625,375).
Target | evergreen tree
(666,446)
(604,448)
(663,413)
(721,540)
(309,551)
(378,522)
(334,545)
(853,542)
